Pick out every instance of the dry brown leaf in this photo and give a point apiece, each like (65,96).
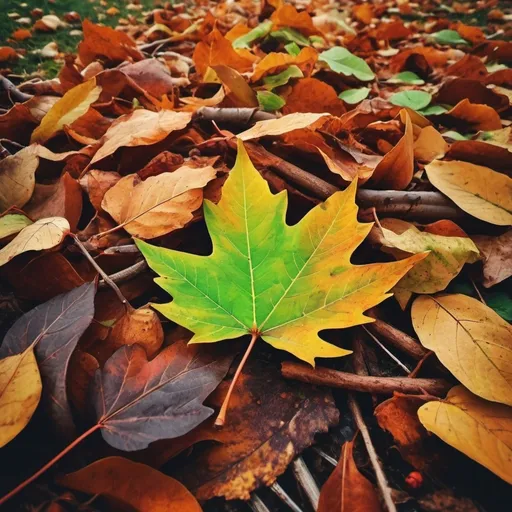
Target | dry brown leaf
(151,75)
(160,204)
(395,170)
(470,339)
(363,13)
(140,128)
(429,145)
(287,16)
(477,428)
(42,234)
(8,54)
(497,253)
(276,62)
(347,489)
(96,183)
(479,191)
(237,85)
(479,117)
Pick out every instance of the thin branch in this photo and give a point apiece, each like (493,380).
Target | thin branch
(388,352)
(15,95)
(366,384)
(283,496)
(125,274)
(101,272)
(221,418)
(122,249)
(240,116)
(306,481)
(482,300)
(257,504)
(382,481)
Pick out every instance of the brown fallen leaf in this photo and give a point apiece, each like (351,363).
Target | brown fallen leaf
(288,16)
(69,108)
(150,74)
(42,234)
(267,428)
(497,253)
(97,183)
(237,85)
(8,54)
(134,485)
(479,117)
(160,204)
(429,145)
(140,128)
(347,490)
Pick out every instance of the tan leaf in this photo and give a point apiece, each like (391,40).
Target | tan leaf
(347,489)
(395,170)
(43,234)
(20,391)
(429,145)
(17,178)
(137,486)
(479,429)
(470,339)
(497,252)
(237,84)
(160,204)
(96,183)
(69,108)
(478,190)
(279,126)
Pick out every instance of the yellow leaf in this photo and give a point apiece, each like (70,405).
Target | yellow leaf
(236,83)
(43,234)
(160,204)
(20,391)
(429,145)
(140,128)
(282,125)
(447,256)
(479,191)
(276,61)
(74,104)
(471,340)
(482,430)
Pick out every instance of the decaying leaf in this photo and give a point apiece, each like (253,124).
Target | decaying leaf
(347,489)
(497,253)
(135,485)
(52,330)
(20,391)
(478,428)
(160,204)
(470,339)
(252,243)
(42,234)
(480,191)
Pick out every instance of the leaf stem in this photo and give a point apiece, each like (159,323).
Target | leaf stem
(101,272)
(221,418)
(47,466)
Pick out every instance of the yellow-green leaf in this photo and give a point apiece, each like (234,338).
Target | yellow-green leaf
(471,340)
(285,283)
(482,430)
(74,104)
(478,190)
(20,391)
(13,223)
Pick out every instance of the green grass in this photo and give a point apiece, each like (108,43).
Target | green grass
(91,9)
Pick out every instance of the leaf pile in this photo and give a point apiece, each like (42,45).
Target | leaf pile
(330,178)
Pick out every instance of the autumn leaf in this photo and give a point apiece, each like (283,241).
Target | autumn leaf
(287,16)
(276,62)
(68,109)
(347,488)
(497,253)
(478,428)
(139,401)
(136,485)
(470,339)
(160,204)
(480,191)
(20,391)
(42,234)
(52,330)
(13,223)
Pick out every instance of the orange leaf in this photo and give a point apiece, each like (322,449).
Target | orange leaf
(287,16)
(480,117)
(8,54)
(21,34)
(363,12)
(275,62)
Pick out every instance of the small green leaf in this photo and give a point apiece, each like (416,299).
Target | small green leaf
(256,33)
(342,61)
(316,39)
(273,81)
(450,37)
(13,223)
(269,101)
(501,302)
(433,110)
(290,35)
(454,135)
(495,66)
(415,100)
(406,77)
(352,96)
(292,49)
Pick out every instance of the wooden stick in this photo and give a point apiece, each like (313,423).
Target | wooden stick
(283,496)
(241,116)
(257,504)
(125,274)
(12,91)
(366,384)
(306,481)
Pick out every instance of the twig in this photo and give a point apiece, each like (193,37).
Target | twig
(382,481)
(13,92)
(482,300)
(169,53)
(306,481)
(397,338)
(122,249)
(257,504)
(221,418)
(367,384)
(100,271)
(240,116)
(328,458)
(283,496)
(388,352)
(125,274)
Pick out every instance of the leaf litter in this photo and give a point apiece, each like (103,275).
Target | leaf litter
(299,169)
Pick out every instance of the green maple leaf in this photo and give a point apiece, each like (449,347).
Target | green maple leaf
(283,283)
